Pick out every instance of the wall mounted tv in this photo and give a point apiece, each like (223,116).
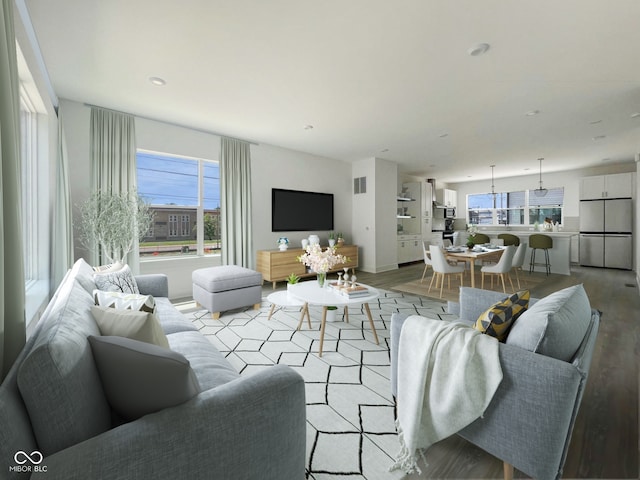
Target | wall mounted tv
(296,211)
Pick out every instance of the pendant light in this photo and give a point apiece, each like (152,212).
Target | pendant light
(540,192)
(493,188)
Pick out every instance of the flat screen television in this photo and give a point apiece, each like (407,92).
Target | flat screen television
(296,211)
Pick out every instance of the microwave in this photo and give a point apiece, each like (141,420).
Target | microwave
(445,212)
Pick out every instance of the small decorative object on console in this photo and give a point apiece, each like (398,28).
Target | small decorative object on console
(283,243)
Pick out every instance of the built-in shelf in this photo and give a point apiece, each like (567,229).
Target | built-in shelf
(404,216)
(405,199)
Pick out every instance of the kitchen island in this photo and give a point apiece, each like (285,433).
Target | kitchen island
(559,255)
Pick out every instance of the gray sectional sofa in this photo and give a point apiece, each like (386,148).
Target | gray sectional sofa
(545,362)
(53,403)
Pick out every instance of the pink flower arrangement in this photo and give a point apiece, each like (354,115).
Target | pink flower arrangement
(321,261)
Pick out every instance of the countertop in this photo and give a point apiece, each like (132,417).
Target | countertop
(526,233)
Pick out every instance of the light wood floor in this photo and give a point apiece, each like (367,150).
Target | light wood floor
(605,437)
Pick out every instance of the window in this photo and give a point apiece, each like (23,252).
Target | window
(514,208)
(29,157)
(184,193)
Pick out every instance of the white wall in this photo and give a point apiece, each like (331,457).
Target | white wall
(374,215)
(270,167)
(276,167)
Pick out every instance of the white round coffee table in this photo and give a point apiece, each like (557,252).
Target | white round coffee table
(283,300)
(310,293)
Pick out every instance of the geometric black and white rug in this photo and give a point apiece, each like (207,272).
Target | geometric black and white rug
(350,411)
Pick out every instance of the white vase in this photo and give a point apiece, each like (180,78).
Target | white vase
(314,239)
(331,315)
(332,242)
(283,247)
(305,243)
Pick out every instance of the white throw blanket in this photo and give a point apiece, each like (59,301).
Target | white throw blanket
(447,375)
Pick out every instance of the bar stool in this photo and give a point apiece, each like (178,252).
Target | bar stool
(509,239)
(542,242)
(480,238)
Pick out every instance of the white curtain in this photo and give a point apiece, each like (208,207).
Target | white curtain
(12,282)
(235,202)
(62,235)
(113,162)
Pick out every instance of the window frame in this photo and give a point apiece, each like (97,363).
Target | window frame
(526,209)
(200,251)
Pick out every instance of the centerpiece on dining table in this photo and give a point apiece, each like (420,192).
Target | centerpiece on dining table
(321,261)
(472,230)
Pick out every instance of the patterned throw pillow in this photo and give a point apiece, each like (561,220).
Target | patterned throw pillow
(119,281)
(499,317)
(125,301)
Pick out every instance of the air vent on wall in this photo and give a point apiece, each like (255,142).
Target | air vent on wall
(360,185)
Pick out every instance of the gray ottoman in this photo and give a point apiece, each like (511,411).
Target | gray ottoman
(223,288)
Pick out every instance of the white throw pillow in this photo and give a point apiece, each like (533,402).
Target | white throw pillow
(125,301)
(116,281)
(141,326)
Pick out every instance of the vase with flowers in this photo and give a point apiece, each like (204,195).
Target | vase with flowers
(471,230)
(321,261)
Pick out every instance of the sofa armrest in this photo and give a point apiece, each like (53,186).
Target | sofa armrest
(252,427)
(155,284)
(529,420)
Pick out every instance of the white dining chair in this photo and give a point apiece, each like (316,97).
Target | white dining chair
(518,260)
(427,259)
(502,268)
(442,268)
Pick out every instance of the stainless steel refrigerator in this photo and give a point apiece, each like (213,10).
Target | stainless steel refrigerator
(606,233)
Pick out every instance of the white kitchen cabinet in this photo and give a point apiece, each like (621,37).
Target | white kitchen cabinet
(409,248)
(446,197)
(618,185)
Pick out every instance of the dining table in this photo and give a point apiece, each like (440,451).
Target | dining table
(471,255)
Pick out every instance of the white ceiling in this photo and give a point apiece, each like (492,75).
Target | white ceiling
(383,78)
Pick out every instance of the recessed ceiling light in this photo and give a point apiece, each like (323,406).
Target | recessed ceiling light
(478,49)
(158,81)
(532,113)
(384,150)
(635,115)
(606,159)
(443,135)
(308,127)
(595,122)
(599,137)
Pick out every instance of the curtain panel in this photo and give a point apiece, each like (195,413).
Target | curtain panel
(235,202)
(113,163)
(12,278)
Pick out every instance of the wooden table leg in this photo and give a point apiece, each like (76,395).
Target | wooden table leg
(273,307)
(322,325)
(508,471)
(346,314)
(472,271)
(305,309)
(373,328)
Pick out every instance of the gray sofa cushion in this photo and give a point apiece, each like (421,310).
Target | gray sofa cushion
(140,378)
(58,379)
(171,320)
(554,326)
(211,367)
